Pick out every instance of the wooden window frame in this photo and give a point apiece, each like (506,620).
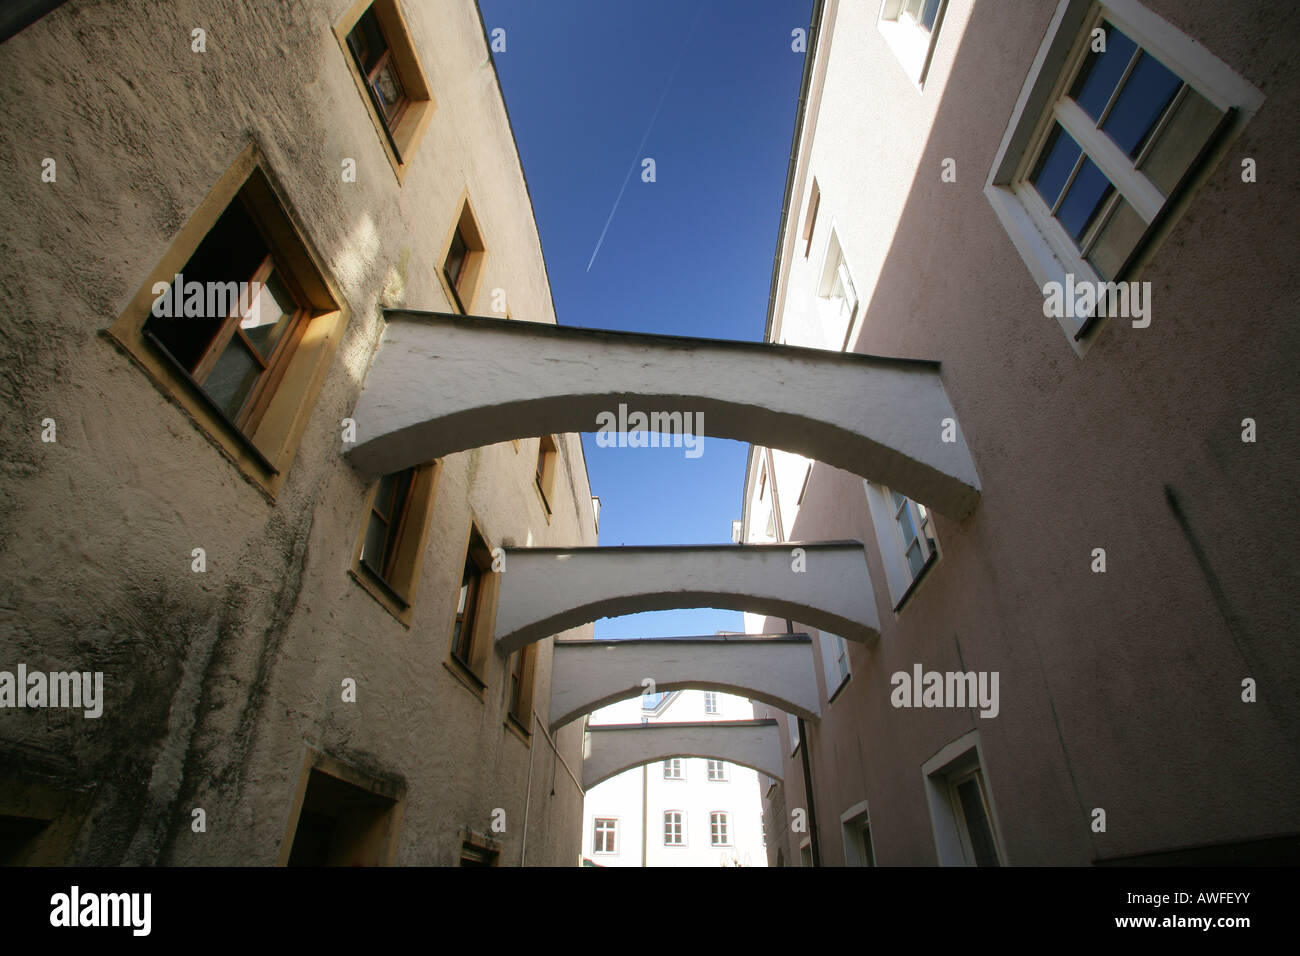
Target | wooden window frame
(810,219)
(402,136)
(462,294)
(520,683)
(276,421)
(472,664)
(548,456)
(396,593)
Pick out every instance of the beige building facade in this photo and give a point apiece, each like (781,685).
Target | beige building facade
(298,660)
(1110,630)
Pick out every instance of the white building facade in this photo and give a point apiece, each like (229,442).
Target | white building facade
(683,811)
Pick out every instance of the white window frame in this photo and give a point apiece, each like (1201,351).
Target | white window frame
(674,768)
(595,824)
(835,662)
(940,774)
(792,725)
(913,45)
(835,272)
(1039,239)
(720,823)
(680,824)
(889,538)
(716,771)
(853,823)
(712,705)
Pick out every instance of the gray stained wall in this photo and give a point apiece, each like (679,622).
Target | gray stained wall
(216,682)
(1120,690)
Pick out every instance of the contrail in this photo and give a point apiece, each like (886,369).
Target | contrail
(663,96)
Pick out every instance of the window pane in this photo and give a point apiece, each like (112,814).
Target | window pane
(977,823)
(268,315)
(1057,159)
(1085,196)
(930,14)
(372,552)
(367,41)
(232,378)
(389,90)
(1181,140)
(1116,240)
(455,259)
(915,559)
(1146,93)
(1101,73)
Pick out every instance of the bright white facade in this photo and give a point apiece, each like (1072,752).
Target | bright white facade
(700,812)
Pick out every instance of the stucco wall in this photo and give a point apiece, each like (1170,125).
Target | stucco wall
(216,682)
(1119,690)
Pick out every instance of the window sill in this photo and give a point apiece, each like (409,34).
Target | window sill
(516,727)
(466,676)
(382,593)
(842,684)
(916,581)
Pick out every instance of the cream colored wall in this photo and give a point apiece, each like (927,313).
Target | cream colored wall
(216,682)
(1123,690)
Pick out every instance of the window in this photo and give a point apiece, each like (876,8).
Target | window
(858,850)
(837,304)
(673,769)
(343,818)
(970,806)
(803,489)
(835,662)
(221,325)
(961,809)
(462,259)
(810,220)
(717,770)
(792,725)
(910,27)
(470,635)
(674,828)
(523,665)
(377,43)
(1120,118)
(905,534)
(652,701)
(604,836)
(545,479)
(391,547)
(719,834)
(711,702)
(478,850)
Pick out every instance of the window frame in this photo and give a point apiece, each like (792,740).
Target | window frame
(674,768)
(679,823)
(912,43)
(716,771)
(472,665)
(940,775)
(712,703)
(266,451)
(548,457)
(834,681)
(720,826)
(397,593)
(900,580)
(401,137)
(1046,249)
(462,292)
(611,832)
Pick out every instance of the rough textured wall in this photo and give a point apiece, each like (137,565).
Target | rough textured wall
(1119,690)
(216,682)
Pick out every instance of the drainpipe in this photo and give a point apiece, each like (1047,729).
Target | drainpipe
(814,839)
(528,796)
(645,810)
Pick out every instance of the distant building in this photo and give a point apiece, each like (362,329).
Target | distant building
(682,811)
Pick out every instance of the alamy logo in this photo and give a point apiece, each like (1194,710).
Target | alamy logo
(103,909)
(950,689)
(193,300)
(56,689)
(656,430)
(1079,300)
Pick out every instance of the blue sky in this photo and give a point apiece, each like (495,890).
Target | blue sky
(687,254)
